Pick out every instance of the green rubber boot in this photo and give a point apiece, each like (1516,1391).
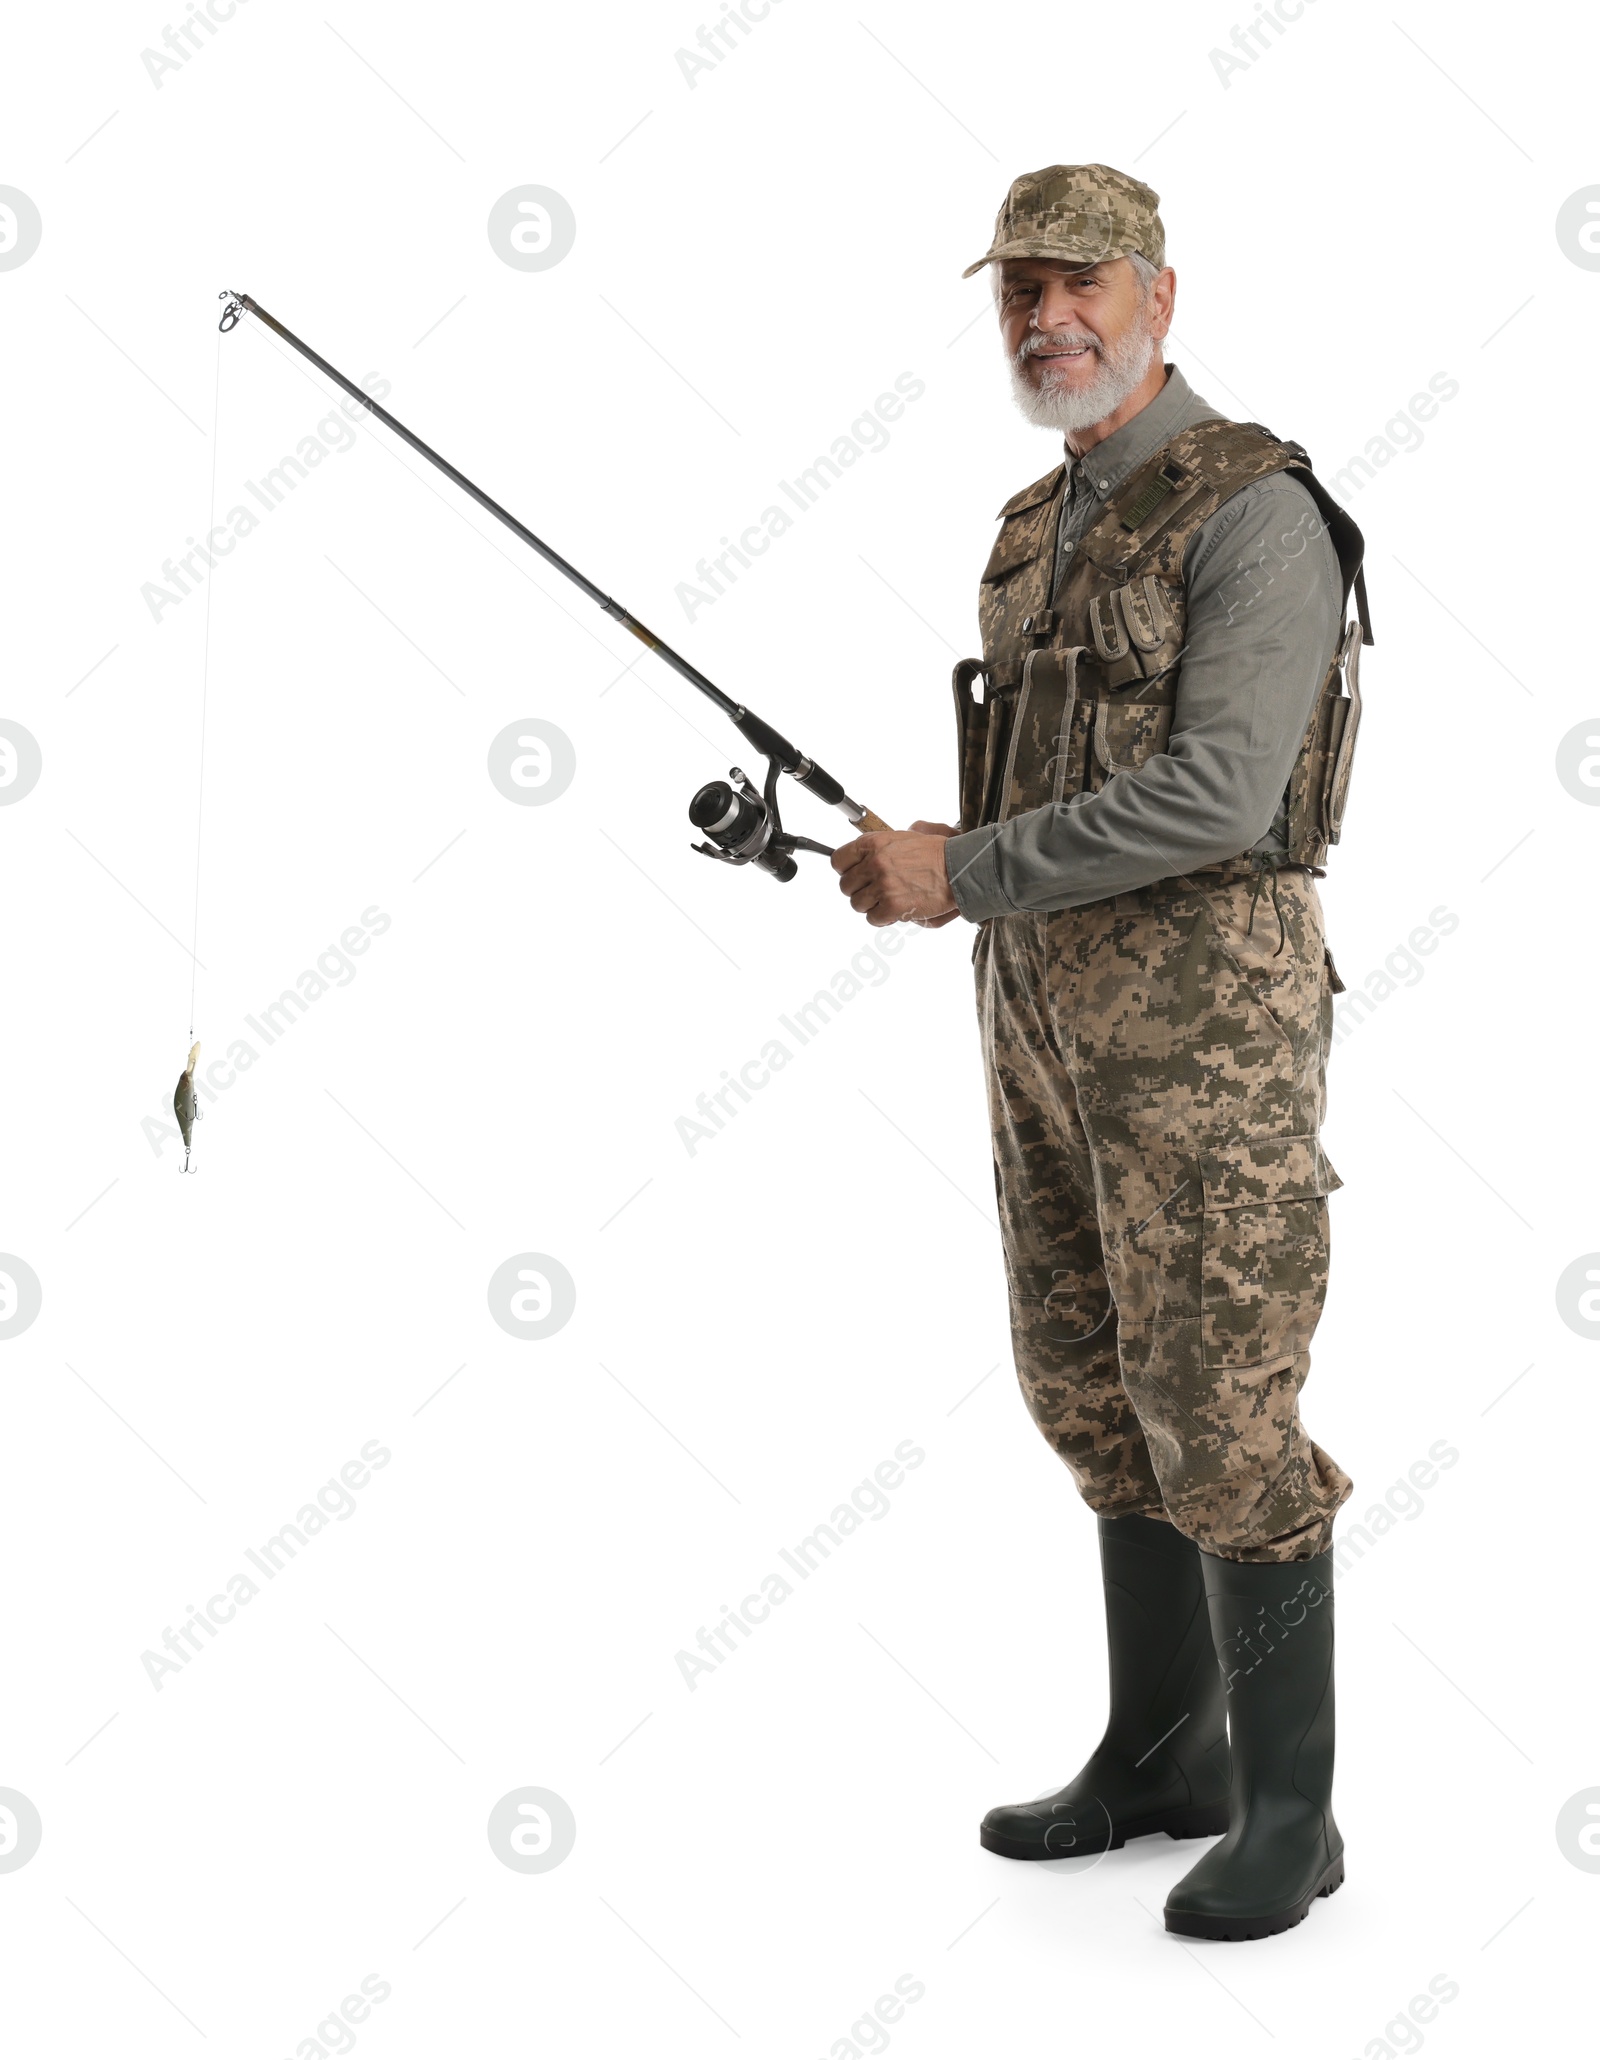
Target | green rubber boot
(1273,1627)
(1163,1762)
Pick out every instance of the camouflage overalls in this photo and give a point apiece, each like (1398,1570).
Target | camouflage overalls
(1155,1060)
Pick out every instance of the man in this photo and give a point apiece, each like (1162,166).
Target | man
(1149,784)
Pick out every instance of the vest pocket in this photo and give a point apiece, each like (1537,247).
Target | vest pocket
(1345,720)
(1319,784)
(1023,536)
(972,735)
(1039,755)
(1145,612)
(1129,733)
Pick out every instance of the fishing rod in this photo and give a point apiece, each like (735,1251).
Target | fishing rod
(741,822)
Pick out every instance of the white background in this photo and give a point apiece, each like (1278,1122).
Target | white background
(1370,203)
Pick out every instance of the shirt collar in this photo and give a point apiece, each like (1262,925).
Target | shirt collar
(1103,469)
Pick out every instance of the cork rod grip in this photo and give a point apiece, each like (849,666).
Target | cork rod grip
(869,821)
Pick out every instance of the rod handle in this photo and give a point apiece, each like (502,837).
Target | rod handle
(869,821)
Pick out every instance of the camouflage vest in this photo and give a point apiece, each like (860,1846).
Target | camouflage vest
(1082,688)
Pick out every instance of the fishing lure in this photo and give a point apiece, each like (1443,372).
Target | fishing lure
(184,1106)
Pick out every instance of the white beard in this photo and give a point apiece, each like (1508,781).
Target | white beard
(1051,404)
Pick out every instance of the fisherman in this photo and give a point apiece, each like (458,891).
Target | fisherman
(1154,754)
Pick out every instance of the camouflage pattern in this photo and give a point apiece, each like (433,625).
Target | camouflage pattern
(1081,679)
(1155,1068)
(1078,213)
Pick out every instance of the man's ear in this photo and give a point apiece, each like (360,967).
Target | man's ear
(1163,295)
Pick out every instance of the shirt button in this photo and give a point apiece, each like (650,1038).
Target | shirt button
(1067,550)
(1104,483)
(1027,625)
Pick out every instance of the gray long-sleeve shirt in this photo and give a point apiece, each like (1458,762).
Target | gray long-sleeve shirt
(1265,601)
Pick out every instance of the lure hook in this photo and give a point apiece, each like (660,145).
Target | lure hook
(232,312)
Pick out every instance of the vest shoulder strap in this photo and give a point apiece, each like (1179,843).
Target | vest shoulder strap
(1228,455)
(1230,461)
(1179,485)
(1198,469)
(1347,541)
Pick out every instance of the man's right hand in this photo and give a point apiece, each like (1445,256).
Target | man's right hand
(937,830)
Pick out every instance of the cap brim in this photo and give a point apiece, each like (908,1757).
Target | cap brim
(1036,247)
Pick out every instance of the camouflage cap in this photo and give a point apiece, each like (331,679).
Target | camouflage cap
(1078,213)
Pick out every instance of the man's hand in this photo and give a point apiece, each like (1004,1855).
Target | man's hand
(898,876)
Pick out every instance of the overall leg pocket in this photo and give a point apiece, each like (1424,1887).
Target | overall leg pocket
(1264,1260)
(1267,949)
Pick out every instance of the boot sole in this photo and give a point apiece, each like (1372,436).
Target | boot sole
(1193,1823)
(1195,1924)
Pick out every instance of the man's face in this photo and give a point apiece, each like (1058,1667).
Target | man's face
(1078,339)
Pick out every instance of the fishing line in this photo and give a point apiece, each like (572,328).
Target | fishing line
(205,687)
(185,1101)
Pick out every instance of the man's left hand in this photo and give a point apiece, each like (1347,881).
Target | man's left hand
(897,876)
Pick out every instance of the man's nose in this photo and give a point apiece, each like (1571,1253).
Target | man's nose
(1055,308)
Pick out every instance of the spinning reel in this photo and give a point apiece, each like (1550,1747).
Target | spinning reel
(744,827)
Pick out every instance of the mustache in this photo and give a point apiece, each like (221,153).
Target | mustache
(1040,340)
